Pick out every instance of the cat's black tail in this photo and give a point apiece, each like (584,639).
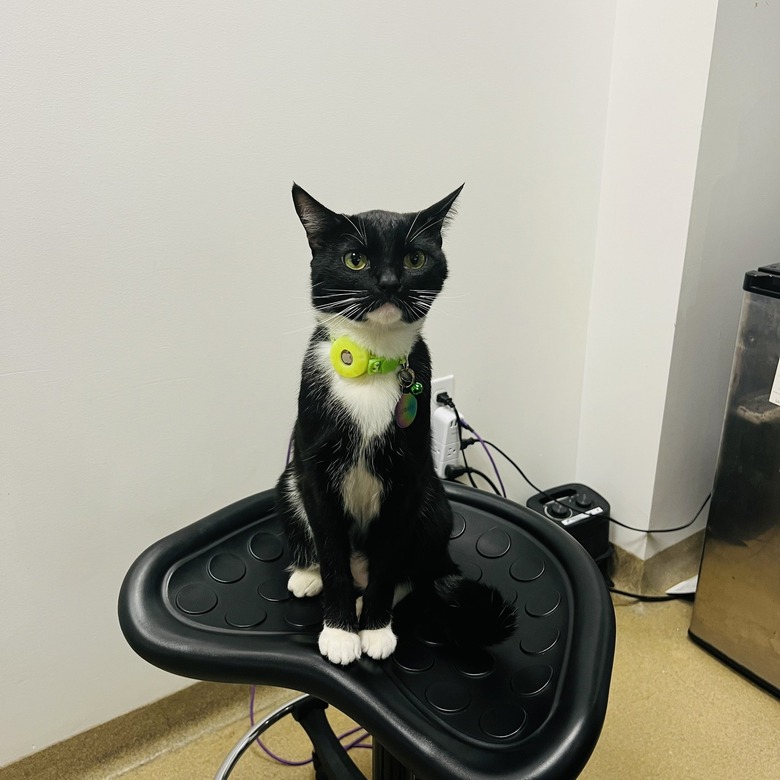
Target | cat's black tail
(472,613)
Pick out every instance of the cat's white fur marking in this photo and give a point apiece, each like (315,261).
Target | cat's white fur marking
(370,402)
(385,315)
(390,340)
(378,643)
(362,493)
(305,582)
(296,502)
(339,646)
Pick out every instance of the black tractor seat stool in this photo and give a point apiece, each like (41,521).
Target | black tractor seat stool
(210,602)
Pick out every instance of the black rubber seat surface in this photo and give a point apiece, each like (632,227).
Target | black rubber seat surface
(210,602)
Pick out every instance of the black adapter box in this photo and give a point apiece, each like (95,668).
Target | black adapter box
(581,512)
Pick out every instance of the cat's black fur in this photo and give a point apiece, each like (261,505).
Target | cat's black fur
(360,491)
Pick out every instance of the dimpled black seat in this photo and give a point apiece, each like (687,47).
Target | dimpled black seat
(210,602)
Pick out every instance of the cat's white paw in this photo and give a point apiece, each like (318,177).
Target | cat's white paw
(305,582)
(339,646)
(378,643)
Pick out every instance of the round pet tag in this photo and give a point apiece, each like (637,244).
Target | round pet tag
(405,410)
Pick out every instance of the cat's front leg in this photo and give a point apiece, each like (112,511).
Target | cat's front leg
(305,579)
(377,639)
(339,641)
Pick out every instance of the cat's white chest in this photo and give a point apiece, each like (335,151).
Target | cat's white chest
(368,401)
(362,493)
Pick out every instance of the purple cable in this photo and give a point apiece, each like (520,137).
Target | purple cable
(485,447)
(357,743)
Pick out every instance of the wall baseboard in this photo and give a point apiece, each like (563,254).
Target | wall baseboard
(654,575)
(131,740)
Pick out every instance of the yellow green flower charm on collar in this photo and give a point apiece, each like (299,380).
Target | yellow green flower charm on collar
(351,360)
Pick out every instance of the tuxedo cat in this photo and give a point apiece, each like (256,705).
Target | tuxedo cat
(363,509)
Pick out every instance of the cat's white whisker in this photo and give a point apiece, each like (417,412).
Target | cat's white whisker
(456,298)
(359,235)
(304,329)
(338,299)
(338,290)
(304,313)
(411,227)
(443,312)
(428,225)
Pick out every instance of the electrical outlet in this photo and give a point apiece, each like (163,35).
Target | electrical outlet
(445,436)
(445,439)
(443,384)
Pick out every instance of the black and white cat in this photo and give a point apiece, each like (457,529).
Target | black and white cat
(362,506)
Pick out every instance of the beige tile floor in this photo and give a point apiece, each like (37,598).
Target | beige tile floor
(675,713)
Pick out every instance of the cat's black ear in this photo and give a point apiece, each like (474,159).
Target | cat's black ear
(317,220)
(439,215)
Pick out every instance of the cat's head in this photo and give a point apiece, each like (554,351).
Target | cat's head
(377,267)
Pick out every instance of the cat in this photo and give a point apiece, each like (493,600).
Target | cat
(362,507)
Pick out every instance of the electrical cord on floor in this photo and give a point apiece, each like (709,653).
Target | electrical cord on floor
(649,597)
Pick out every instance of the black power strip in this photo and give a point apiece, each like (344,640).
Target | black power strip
(581,512)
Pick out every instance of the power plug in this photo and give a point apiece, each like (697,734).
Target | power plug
(445,439)
(442,384)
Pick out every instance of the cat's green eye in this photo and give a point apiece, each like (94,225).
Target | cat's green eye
(355,261)
(415,260)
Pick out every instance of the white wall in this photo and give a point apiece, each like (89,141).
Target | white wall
(153,288)
(656,103)
(734,227)
(689,202)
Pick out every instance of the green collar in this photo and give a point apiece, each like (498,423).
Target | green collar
(351,360)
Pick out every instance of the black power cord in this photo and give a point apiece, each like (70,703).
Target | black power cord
(518,469)
(445,399)
(612,589)
(453,472)
(653,598)
(469,442)
(664,530)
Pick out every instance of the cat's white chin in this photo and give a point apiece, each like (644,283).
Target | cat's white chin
(386,315)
